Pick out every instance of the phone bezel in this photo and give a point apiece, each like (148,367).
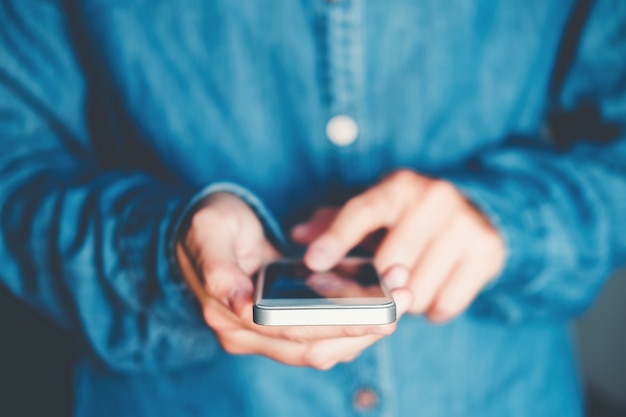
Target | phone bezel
(322,311)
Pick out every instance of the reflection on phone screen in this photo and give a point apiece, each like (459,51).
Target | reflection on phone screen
(295,280)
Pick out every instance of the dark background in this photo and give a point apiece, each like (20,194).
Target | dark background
(35,372)
(35,360)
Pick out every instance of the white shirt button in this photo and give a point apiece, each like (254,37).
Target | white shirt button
(342,130)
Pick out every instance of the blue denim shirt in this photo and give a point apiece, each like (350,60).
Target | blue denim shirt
(116,115)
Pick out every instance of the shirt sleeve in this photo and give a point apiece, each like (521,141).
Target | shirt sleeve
(89,248)
(561,205)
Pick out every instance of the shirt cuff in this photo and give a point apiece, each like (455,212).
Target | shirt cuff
(271,228)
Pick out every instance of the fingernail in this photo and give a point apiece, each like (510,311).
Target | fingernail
(318,257)
(397,277)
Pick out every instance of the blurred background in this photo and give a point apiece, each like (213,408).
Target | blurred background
(35,359)
(601,338)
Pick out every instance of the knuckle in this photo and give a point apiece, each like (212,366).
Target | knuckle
(295,335)
(232,348)
(216,275)
(363,202)
(310,360)
(404,183)
(403,177)
(443,190)
(353,331)
(363,206)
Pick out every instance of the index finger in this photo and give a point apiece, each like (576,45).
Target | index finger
(359,217)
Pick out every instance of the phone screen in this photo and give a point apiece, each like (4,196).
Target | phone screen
(295,280)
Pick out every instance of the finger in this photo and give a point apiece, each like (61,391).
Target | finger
(437,262)
(224,233)
(237,338)
(222,275)
(253,257)
(245,342)
(405,241)
(290,353)
(396,276)
(304,334)
(252,249)
(310,230)
(219,317)
(458,291)
(225,253)
(480,265)
(240,340)
(308,350)
(327,353)
(226,281)
(269,254)
(359,217)
(403,299)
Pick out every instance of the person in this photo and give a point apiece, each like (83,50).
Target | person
(155,154)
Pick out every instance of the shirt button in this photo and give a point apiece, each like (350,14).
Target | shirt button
(342,130)
(365,399)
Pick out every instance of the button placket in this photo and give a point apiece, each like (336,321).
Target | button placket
(346,124)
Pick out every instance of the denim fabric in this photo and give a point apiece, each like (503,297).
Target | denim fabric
(116,115)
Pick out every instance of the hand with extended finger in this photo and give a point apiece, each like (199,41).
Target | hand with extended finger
(219,253)
(449,247)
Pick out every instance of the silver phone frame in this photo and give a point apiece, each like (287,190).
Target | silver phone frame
(322,312)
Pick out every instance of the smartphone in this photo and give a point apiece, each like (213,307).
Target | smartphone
(351,293)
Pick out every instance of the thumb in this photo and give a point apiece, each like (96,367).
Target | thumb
(212,249)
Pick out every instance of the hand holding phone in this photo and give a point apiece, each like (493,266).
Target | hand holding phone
(351,293)
(209,257)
